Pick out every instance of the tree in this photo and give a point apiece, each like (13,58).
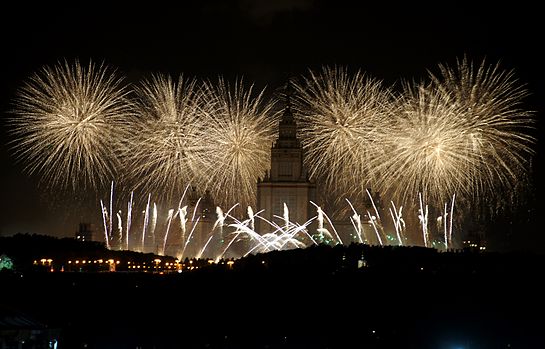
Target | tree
(5,262)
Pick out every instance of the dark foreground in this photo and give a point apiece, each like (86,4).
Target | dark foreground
(270,304)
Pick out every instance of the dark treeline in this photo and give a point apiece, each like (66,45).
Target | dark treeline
(391,259)
(353,296)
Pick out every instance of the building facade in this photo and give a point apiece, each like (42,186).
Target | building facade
(287,181)
(86,232)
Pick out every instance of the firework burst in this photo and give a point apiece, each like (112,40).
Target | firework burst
(462,134)
(167,149)
(240,131)
(67,123)
(341,126)
(490,100)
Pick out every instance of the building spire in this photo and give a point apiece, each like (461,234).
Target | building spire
(287,128)
(287,184)
(287,117)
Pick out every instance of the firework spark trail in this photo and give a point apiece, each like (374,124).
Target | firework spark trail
(443,219)
(195,223)
(182,212)
(355,219)
(262,240)
(451,217)
(222,216)
(373,203)
(285,234)
(306,224)
(399,223)
(169,220)
(68,122)
(446,221)
(183,221)
(200,253)
(423,218)
(250,220)
(120,230)
(194,226)
(241,228)
(286,216)
(183,196)
(240,130)
(289,230)
(282,238)
(373,222)
(104,218)
(146,218)
(271,241)
(289,236)
(220,221)
(129,221)
(276,240)
(237,233)
(322,214)
(251,217)
(321,230)
(195,209)
(111,212)
(341,118)
(154,222)
(167,149)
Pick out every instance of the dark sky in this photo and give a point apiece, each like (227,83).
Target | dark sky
(260,40)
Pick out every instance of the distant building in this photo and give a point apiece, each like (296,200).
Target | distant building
(200,216)
(287,181)
(474,242)
(85,232)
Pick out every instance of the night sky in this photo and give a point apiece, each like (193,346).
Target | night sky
(261,41)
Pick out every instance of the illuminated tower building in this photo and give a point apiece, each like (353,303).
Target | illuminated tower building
(287,181)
